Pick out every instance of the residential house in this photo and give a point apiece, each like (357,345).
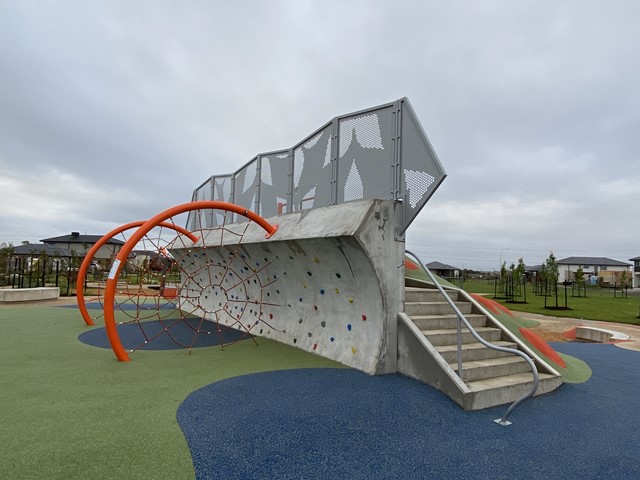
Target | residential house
(28,253)
(605,268)
(79,245)
(443,270)
(636,271)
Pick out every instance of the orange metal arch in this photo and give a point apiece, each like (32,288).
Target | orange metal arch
(84,267)
(110,289)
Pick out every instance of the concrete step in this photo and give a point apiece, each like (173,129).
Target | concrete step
(450,336)
(427,322)
(473,351)
(412,294)
(492,367)
(501,390)
(434,308)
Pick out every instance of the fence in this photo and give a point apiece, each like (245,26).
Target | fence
(378,153)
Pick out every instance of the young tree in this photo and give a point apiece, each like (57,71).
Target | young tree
(579,275)
(623,279)
(520,268)
(6,251)
(552,269)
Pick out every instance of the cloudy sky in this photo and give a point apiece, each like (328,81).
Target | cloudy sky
(113,111)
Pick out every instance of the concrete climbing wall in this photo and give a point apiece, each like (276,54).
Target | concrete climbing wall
(330,281)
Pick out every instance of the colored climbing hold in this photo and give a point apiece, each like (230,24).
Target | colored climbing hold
(337,291)
(331,338)
(349,327)
(315,307)
(316,259)
(354,350)
(338,275)
(351,300)
(364,318)
(315,345)
(322,291)
(323,323)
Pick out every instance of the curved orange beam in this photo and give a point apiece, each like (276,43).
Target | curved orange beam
(84,267)
(123,254)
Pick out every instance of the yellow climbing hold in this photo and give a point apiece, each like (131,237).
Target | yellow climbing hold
(351,300)
(316,259)
(337,290)
(354,350)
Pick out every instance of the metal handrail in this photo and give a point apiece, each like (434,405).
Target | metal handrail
(462,319)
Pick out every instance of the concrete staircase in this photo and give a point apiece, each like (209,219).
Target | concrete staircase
(489,377)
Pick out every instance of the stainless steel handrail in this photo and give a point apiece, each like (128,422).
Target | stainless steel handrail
(462,319)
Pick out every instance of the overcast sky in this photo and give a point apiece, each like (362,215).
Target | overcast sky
(114,111)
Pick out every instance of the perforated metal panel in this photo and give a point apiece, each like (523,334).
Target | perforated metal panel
(245,182)
(312,173)
(203,192)
(275,183)
(379,153)
(366,156)
(421,172)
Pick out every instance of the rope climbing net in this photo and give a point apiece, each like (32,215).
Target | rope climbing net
(190,288)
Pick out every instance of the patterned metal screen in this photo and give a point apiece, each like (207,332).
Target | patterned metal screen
(378,153)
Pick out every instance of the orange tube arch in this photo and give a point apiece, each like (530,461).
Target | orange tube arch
(84,267)
(123,254)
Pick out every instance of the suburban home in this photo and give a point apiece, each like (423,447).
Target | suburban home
(636,271)
(79,245)
(606,268)
(31,252)
(443,270)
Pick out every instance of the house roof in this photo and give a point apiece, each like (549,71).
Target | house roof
(634,259)
(40,248)
(440,266)
(596,261)
(75,237)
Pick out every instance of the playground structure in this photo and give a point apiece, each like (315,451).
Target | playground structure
(329,279)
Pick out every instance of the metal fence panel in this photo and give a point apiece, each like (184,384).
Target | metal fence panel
(312,171)
(246,183)
(275,183)
(421,171)
(378,153)
(366,155)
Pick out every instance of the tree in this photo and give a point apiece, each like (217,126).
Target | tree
(6,252)
(552,273)
(623,279)
(552,270)
(520,268)
(579,275)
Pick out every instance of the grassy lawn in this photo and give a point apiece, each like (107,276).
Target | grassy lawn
(599,304)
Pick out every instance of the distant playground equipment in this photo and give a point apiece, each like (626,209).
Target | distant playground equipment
(331,279)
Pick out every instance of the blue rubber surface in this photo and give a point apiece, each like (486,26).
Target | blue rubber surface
(340,423)
(179,331)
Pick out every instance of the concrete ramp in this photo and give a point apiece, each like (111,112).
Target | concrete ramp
(330,281)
